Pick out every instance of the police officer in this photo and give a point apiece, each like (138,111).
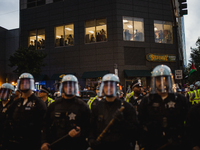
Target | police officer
(192,128)
(189,94)
(121,133)
(26,116)
(162,113)
(68,115)
(136,96)
(6,96)
(44,95)
(94,100)
(195,98)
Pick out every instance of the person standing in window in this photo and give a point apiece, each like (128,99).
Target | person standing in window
(70,40)
(161,36)
(61,41)
(92,38)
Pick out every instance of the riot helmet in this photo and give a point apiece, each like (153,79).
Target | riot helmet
(108,85)
(162,80)
(69,85)
(191,87)
(25,83)
(6,91)
(197,84)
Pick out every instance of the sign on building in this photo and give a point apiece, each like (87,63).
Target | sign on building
(161,57)
(178,74)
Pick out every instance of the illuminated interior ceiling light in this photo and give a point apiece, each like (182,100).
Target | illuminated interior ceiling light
(69,29)
(155,29)
(91,31)
(125,20)
(58,36)
(129,26)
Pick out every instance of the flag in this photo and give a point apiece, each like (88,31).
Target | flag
(193,69)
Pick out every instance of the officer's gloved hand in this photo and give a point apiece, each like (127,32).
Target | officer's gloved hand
(94,143)
(119,116)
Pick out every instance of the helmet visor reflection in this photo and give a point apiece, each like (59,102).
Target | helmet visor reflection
(69,88)
(162,84)
(4,94)
(25,84)
(109,88)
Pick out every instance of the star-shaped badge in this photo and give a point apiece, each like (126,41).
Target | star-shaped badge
(72,116)
(171,104)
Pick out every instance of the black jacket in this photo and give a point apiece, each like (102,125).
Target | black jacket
(26,122)
(62,116)
(3,120)
(193,126)
(162,120)
(121,133)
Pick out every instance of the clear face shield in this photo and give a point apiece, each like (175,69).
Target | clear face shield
(108,89)
(163,84)
(4,94)
(24,84)
(70,88)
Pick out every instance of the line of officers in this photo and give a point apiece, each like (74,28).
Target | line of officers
(161,120)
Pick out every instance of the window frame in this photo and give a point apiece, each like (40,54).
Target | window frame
(163,23)
(37,38)
(95,31)
(63,35)
(133,24)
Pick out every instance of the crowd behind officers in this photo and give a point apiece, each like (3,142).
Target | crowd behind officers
(161,119)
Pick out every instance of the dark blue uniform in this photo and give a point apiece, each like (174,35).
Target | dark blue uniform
(3,123)
(162,121)
(193,126)
(62,116)
(26,123)
(121,133)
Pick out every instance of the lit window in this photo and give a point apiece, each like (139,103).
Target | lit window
(37,39)
(41,39)
(95,31)
(163,32)
(133,29)
(64,35)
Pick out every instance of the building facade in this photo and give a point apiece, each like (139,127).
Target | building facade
(9,43)
(90,38)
